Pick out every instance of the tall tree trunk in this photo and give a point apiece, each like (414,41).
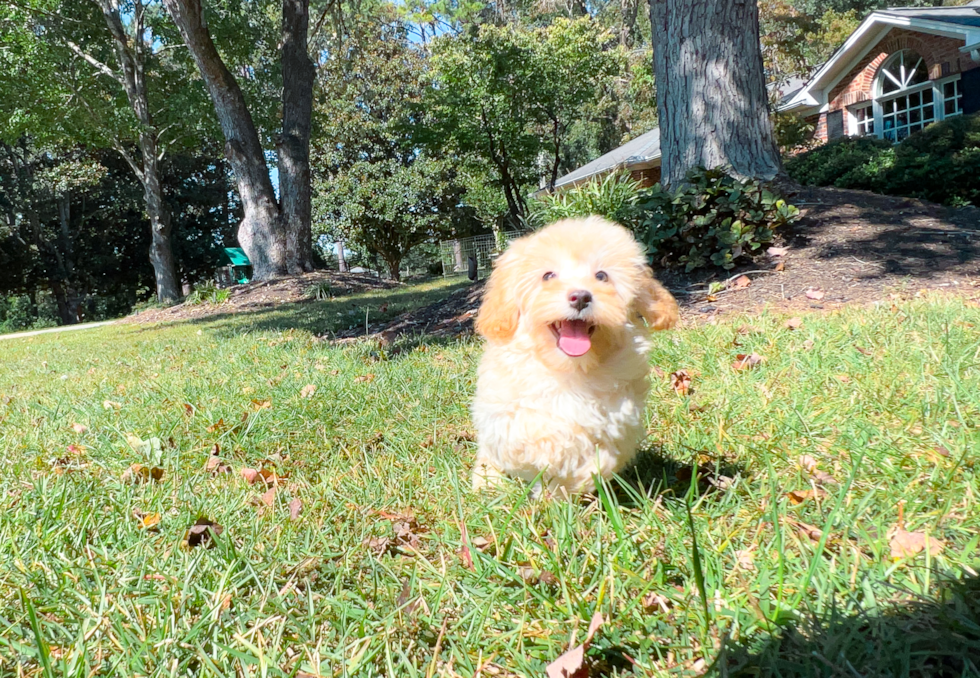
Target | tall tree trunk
(711,90)
(298,74)
(130,57)
(277,239)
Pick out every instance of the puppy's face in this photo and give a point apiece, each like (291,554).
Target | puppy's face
(571,289)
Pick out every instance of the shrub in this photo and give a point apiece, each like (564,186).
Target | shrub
(941,164)
(612,197)
(710,219)
(207,293)
(850,162)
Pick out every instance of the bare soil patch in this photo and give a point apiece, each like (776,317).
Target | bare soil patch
(259,296)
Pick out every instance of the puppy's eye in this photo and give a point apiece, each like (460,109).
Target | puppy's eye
(601,276)
(548,276)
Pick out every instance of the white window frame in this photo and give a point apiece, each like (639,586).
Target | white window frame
(878,99)
(854,126)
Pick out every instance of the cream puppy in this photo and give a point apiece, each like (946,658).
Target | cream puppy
(563,381)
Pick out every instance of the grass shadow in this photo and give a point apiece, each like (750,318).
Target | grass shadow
(654,473)
(937,637)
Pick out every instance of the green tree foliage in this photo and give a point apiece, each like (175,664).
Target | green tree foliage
(376,184)
(510,96)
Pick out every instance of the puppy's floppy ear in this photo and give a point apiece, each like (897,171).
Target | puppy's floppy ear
(657,306)
(499,313)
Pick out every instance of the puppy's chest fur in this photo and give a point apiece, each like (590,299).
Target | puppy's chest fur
(531,419)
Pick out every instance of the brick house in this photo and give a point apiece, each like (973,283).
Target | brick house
(899,71)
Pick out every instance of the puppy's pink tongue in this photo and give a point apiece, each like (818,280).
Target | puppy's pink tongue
(573,338)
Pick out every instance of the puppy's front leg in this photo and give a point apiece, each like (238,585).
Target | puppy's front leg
(485,474)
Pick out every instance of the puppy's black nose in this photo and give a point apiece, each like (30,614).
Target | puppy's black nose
(579,299)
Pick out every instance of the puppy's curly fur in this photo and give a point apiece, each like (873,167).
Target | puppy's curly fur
(562,384)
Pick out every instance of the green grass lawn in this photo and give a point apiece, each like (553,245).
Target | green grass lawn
(393,567)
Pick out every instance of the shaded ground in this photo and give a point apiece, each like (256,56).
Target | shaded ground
(259,296)
(850,247)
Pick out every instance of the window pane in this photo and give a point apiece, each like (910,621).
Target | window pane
(889,106)
(901,103)
(928,114)
(921,73)
(949,89)
(949,107)
(915,115)
(915,128)
(890,134)
(927,96)
(914,99)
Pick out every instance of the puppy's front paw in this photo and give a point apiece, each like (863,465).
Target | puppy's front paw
(486,475)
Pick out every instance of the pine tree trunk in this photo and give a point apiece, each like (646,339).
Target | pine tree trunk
(711,89)
(261,233)
(298,74)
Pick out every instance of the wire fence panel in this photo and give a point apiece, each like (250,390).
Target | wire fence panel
(458,256)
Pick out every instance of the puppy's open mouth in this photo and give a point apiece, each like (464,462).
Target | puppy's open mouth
(574,336)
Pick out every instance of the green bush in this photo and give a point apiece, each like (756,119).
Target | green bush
(612,197)
(712,219)
(940,164)
(207,293)
(850,162)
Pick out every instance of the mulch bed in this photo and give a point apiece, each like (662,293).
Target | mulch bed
(851,247)
(265,295)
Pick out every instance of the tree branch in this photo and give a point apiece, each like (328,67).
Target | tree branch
(121,150)
(101,67)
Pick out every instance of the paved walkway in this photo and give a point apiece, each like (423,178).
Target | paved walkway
(63,328)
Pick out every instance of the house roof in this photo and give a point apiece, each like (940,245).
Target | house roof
(643,149)
(962,22)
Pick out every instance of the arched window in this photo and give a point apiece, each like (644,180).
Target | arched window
(905,94)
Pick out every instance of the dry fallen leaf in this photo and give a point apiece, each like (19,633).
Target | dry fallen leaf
(308,390)
(654,602)
(780,267)
(904,544)
(572,663)
(138,473)
(863,351)
(79,428)
(202,533)
(800,496)
(295,507)
(261,404)
(814,293)
(680,381)
(808,344)
(777,251)
(748,329)
(188,409)
(793,323)
(364,378)
(110,405)
(744,361)
(148,521)
(217,426)
(269,497)
(745,560)
(741,282)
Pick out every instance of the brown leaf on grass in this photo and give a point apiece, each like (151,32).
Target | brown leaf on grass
(79,428)
(188,409)
(843,378)
(745,361)
(138,473)
(654,602)
(942,451)
(364,378)
(800,496)
(780,267)
(680,381)
(863,351)
(295,507)
(267,499)
(904,544)
(805,530)
(308,391)
(202,533)
(659,372)
(261,404)
(572,663)
(263,475)
(793,323)
(406,530)
(740,283)
(745,560)
(111,405)
(814,293)
(216,464)
(809,464)
(147,521)
(808,344)
(217,426)
(748,329)
(76,450)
